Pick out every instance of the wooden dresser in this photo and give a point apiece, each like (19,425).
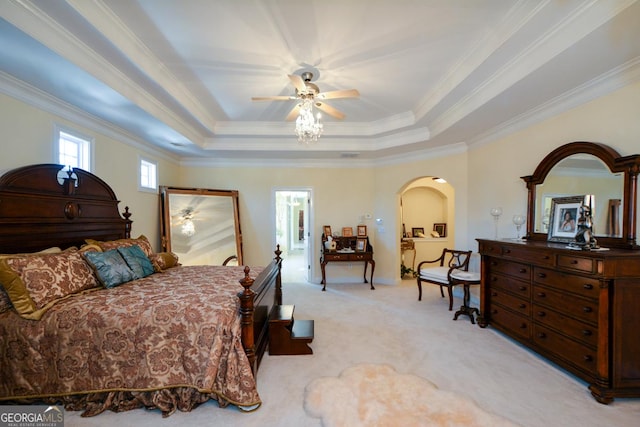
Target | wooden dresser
(579,309)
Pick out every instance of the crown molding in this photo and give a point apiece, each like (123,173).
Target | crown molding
(36,98)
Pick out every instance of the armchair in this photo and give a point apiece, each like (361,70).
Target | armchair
(438,271)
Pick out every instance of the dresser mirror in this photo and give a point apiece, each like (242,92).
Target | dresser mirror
(581,168)
(201,226)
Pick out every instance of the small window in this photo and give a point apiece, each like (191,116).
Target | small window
(72,149)
(148,175)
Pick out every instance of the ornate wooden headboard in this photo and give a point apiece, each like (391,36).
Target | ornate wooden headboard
(48,205)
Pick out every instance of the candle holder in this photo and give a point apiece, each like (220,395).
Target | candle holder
(496,212)
(518,220)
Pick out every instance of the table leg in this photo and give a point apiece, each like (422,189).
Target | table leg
(324,279)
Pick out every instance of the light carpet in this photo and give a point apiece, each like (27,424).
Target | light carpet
(377,395)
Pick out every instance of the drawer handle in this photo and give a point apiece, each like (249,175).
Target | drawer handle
(546,257)
(494,294)
(523,325)
(574,261)
(494,311)
(542,335)
(542,275)
(523,270)
(523,305)
(493,263)
(542,313)
(494,278)
(541,294)
(587,309)
(522,288)
(586,332)
(587,286)
(587,358)
(507,251)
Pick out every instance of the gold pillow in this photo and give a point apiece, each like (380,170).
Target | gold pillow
(164,260)
(35,283)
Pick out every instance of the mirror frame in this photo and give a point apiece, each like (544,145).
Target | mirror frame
(628,165)
(165,213)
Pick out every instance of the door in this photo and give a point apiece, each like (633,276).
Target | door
(293,232)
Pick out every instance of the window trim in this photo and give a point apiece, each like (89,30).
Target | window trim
(90,144)
(146,189)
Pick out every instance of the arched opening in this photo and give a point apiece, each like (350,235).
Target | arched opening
(427,220)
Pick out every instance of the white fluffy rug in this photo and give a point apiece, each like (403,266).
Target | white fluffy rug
(377,395)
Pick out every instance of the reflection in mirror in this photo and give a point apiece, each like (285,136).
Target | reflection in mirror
(579,175)
(201,226)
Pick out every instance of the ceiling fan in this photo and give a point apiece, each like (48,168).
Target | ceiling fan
(305,90)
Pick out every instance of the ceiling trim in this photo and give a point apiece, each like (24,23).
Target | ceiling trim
(36,98)
(28,17)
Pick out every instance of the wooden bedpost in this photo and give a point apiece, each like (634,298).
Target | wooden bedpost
(246,319)
(278,295)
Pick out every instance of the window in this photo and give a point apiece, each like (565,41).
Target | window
(72,148)
(148,175)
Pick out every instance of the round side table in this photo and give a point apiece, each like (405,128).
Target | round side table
(466,279)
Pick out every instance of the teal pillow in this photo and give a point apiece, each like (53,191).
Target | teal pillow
(137,260)
(111,269)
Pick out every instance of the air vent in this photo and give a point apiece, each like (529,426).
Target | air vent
(349,155)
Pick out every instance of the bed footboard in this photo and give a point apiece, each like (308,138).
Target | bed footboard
(256,301)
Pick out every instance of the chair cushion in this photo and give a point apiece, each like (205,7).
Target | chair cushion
(435,274)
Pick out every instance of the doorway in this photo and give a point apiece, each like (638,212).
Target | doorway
(293,232)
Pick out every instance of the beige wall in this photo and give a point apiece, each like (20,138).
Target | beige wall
(28,139)
(483,177)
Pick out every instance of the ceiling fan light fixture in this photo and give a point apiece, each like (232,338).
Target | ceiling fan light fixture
(308,129)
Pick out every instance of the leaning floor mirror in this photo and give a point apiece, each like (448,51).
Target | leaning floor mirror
(201,226)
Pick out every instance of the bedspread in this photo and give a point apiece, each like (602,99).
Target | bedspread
(175,329)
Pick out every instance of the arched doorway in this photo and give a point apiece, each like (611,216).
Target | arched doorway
(427,218)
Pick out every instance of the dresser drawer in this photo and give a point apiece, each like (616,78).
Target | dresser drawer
(576,263)
(510,301)
(569,304)
(580,331)
(515,269)
(335,257)
(504,319)
(527,255)
(579,355)
(360,257)
(509,284)
(567,282)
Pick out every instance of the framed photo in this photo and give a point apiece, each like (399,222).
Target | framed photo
(417,231)
(362,231)
(347,231)
(361,245)
(327,230)
(563,219)
(440,228)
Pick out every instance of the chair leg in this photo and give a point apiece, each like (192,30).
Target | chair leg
(450,297)
(441,292)
(419,291)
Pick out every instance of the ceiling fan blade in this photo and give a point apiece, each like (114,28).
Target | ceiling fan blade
(272,98)
(346,93)
(330,110)
(294,113)
(298,82)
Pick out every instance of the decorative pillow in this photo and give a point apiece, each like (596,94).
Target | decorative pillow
(35,282)
(164,260)
(111,269)
(5,301)
(141,241)
(137,261)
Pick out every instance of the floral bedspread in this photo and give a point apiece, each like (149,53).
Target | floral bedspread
(178,329)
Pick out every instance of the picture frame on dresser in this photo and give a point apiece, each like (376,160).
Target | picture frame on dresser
(417,231)
(361,244)
(563,218)
(362,231)
(326,230)
(440,228)
(347,231)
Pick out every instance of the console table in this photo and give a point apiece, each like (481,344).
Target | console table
(345,252)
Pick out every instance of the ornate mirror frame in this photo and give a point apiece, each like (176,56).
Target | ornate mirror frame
(628,165)
(212,235)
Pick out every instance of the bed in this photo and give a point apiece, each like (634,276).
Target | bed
(81,328)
